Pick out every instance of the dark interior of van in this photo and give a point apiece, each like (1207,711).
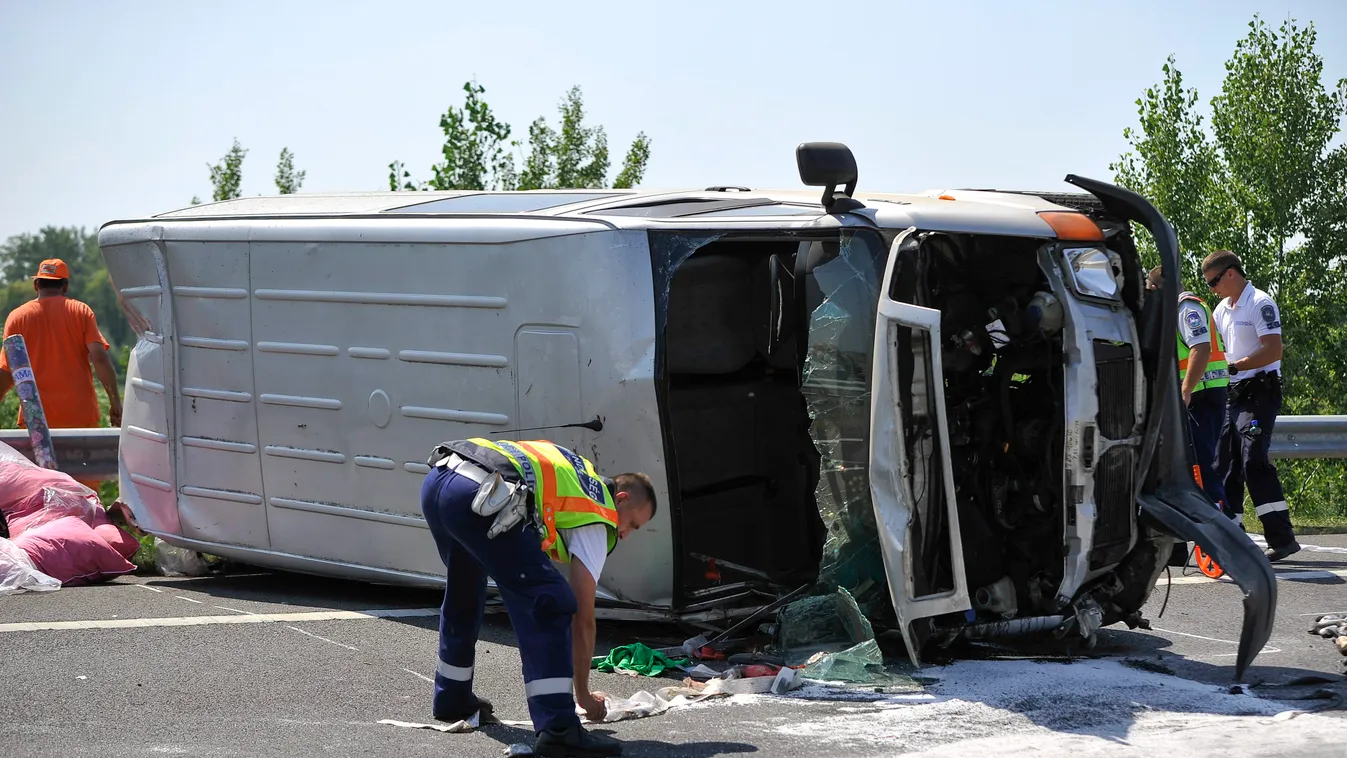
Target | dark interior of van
(743,467)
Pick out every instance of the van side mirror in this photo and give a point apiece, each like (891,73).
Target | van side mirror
(828,164)
(781,310)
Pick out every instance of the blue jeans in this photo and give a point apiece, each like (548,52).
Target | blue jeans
(539,600)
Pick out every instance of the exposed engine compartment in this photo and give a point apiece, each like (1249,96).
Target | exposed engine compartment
(1001,352)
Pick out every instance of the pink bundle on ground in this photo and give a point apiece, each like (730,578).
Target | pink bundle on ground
(60,523)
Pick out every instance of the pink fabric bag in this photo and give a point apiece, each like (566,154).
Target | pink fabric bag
(70,550)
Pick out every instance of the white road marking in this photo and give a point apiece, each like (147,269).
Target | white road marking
(188,599)
(251,618)
(1281,576)
(235,610)
(148,587)
(1264,651)
(419,676)
(324,639)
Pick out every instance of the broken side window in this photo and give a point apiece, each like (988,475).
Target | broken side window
(841,297)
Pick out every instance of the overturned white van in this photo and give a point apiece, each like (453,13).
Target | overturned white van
(957,401)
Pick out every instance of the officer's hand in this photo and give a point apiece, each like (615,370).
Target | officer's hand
(595,706)
(1187,396)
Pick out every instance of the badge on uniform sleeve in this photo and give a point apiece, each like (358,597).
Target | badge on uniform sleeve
(1194,321)
(1270,316)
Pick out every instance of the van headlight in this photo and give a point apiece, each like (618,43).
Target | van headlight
(1095,272)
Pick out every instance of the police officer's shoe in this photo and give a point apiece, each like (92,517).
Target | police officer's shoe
(1277,553)
(575,742)
(483,707)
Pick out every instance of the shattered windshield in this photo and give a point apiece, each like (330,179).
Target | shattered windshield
(842,294)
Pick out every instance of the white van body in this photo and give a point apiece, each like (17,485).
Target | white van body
(300,356)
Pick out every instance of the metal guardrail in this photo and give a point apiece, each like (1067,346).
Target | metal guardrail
(88,454)
(91,454)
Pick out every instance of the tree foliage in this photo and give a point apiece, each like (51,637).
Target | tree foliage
(1267,183)
(227,175)
(288,180)
(89,281)
(478,153)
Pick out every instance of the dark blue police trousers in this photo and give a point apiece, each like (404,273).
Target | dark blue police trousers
(540,603)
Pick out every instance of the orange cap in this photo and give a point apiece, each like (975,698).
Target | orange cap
(52,268)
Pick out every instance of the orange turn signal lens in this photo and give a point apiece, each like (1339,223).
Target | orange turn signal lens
(1076,227)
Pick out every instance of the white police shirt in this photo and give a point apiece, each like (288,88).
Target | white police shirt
(1252,316)
(1193,324)
(588,544)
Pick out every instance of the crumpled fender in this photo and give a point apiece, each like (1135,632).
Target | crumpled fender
(1166,490)
(1189,514)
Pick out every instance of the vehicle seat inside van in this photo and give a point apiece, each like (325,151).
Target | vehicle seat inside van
(740,428)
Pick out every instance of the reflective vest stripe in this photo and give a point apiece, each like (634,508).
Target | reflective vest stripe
(547,493)
(552,501)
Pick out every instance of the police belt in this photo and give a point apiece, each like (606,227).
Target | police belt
(1263,381)
(463,467)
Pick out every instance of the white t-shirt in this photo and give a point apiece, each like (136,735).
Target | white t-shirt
(589,544)
(1193,324)
(1253,315)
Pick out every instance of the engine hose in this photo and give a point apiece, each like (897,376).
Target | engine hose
(1013,627)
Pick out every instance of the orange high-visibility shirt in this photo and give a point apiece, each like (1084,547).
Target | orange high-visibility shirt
(58,332)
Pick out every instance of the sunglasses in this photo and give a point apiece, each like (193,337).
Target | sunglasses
(1215,280)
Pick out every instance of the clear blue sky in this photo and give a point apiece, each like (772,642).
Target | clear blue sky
(114,108)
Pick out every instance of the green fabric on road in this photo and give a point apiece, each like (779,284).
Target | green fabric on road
(637,657)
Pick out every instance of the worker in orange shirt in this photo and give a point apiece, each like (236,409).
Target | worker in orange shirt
(63,339)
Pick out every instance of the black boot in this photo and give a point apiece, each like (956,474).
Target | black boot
(483,707)
(1275,554)
(575,742)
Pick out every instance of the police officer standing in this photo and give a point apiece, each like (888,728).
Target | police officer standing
(508,510)
(1250,323)
(1203,379)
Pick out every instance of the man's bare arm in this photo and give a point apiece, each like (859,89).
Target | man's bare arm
(107,376)
(6,382)
(582,634)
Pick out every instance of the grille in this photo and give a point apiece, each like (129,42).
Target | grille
(1114,504)
(1116,389)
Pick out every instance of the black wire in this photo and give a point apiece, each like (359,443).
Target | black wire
(1169,582)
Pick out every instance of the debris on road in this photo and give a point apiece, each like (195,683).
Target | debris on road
(61,528)
(636,659)
(1333,626)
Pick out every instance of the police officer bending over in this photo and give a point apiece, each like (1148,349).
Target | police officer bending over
(1250,324)
(507,509)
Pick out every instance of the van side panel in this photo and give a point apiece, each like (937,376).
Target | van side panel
(219,471)
(145,458)
(365,356)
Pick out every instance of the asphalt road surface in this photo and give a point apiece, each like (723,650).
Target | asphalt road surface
(276,664)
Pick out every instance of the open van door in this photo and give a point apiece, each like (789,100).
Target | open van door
(911,476)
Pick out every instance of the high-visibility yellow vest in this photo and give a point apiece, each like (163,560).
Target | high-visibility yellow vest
(1217,373)
(567,491)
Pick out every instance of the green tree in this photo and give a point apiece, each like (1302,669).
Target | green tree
(89,281)
(1177,165)
(477,152)
(227,175)
(288,181)
(1269,185)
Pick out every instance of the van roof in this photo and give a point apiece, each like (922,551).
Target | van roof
(986,211)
